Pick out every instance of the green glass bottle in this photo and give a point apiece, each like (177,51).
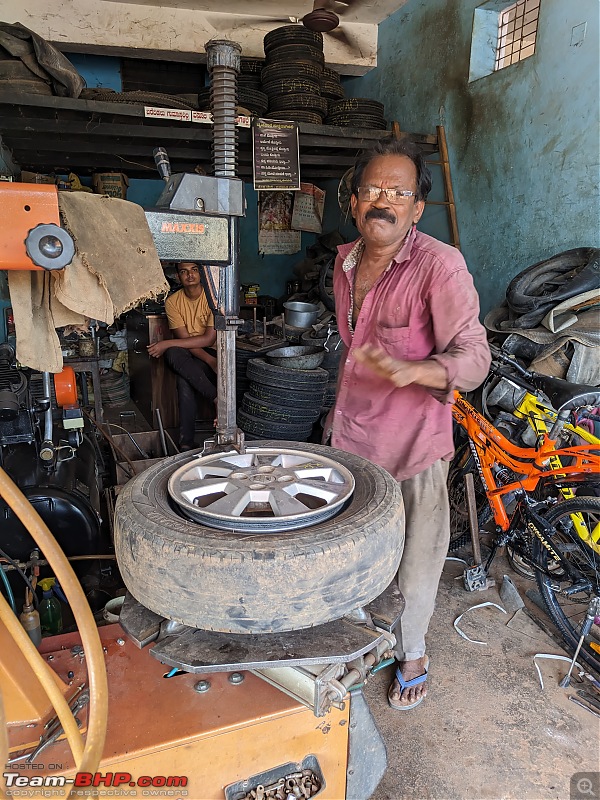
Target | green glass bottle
(50,610)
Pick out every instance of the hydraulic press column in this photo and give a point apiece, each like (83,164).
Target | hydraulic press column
(223,60)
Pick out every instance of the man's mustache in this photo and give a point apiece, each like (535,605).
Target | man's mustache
(380,213)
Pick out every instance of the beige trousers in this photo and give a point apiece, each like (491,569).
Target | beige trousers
(425,550)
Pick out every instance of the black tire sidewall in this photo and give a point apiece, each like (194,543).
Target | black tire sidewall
(555,610)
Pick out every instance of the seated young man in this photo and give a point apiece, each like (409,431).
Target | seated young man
(192,324)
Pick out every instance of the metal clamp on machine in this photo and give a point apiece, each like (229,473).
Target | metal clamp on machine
(34,209)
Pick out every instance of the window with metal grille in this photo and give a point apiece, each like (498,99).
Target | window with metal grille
(517,29)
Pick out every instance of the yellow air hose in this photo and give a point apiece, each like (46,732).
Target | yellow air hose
(88,760)
(3,742)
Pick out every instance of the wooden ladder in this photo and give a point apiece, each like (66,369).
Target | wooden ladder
(444,163)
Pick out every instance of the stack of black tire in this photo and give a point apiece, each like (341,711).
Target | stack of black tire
(281,403)
(250,96)
(293,74)
(331,86)
(242,384)
(356,112)
(242,357)
(15,76)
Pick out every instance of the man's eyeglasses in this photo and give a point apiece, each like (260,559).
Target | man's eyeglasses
(395,196)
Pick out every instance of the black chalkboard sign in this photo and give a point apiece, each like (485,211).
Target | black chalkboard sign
(275,155)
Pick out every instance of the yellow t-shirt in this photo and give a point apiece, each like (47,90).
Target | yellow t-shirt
(193,315)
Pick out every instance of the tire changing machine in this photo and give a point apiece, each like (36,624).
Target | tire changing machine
(215,715)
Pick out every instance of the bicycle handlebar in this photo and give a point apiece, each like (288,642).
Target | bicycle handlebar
(500,355)
(496,370)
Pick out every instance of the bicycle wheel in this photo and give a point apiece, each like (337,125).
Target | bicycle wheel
(568,611)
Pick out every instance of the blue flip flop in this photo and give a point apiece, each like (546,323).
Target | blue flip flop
(407,685)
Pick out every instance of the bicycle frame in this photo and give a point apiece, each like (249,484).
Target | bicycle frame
(491,448)
(538,415)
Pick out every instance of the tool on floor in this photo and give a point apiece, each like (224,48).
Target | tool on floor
(592,612)
(590,698)
(583,705)
(475,577)
(509,594)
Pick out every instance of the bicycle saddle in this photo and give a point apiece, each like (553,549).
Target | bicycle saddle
(566,396)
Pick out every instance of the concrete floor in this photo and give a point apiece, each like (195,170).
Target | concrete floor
(486,729)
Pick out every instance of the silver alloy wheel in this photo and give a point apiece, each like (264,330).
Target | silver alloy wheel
(265,490)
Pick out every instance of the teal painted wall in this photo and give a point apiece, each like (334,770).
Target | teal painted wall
(102,71)
(523,142)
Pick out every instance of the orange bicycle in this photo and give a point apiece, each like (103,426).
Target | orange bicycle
(524,486)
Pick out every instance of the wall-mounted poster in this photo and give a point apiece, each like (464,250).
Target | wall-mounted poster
(275,236)
(309,204)
(275,155)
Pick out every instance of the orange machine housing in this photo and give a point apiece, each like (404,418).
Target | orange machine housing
(65,388)
(22,207)
(160,727)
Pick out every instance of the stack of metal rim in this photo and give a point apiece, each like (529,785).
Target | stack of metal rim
(356,112)
(293,73)
(251,100)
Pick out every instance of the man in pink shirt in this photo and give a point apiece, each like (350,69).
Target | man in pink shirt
(408,315)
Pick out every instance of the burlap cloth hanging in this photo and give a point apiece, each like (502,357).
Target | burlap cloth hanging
(115,268)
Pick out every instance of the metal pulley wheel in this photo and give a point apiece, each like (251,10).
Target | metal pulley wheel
(50,246)
(265,490)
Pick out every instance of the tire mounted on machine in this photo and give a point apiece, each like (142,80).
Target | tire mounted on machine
(265,582)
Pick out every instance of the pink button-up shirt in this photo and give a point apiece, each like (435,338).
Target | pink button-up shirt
(424,306)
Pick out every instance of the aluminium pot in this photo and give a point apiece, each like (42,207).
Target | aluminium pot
(300,315)
(296,357)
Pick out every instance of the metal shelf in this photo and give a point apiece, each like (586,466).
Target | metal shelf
(59,134)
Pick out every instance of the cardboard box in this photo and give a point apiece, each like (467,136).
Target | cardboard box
(36,177)
(114,184)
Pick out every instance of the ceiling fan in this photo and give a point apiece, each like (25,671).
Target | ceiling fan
(324,18)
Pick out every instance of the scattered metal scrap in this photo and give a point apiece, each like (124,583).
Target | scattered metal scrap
(295,786)
(552,657)
(472,608)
